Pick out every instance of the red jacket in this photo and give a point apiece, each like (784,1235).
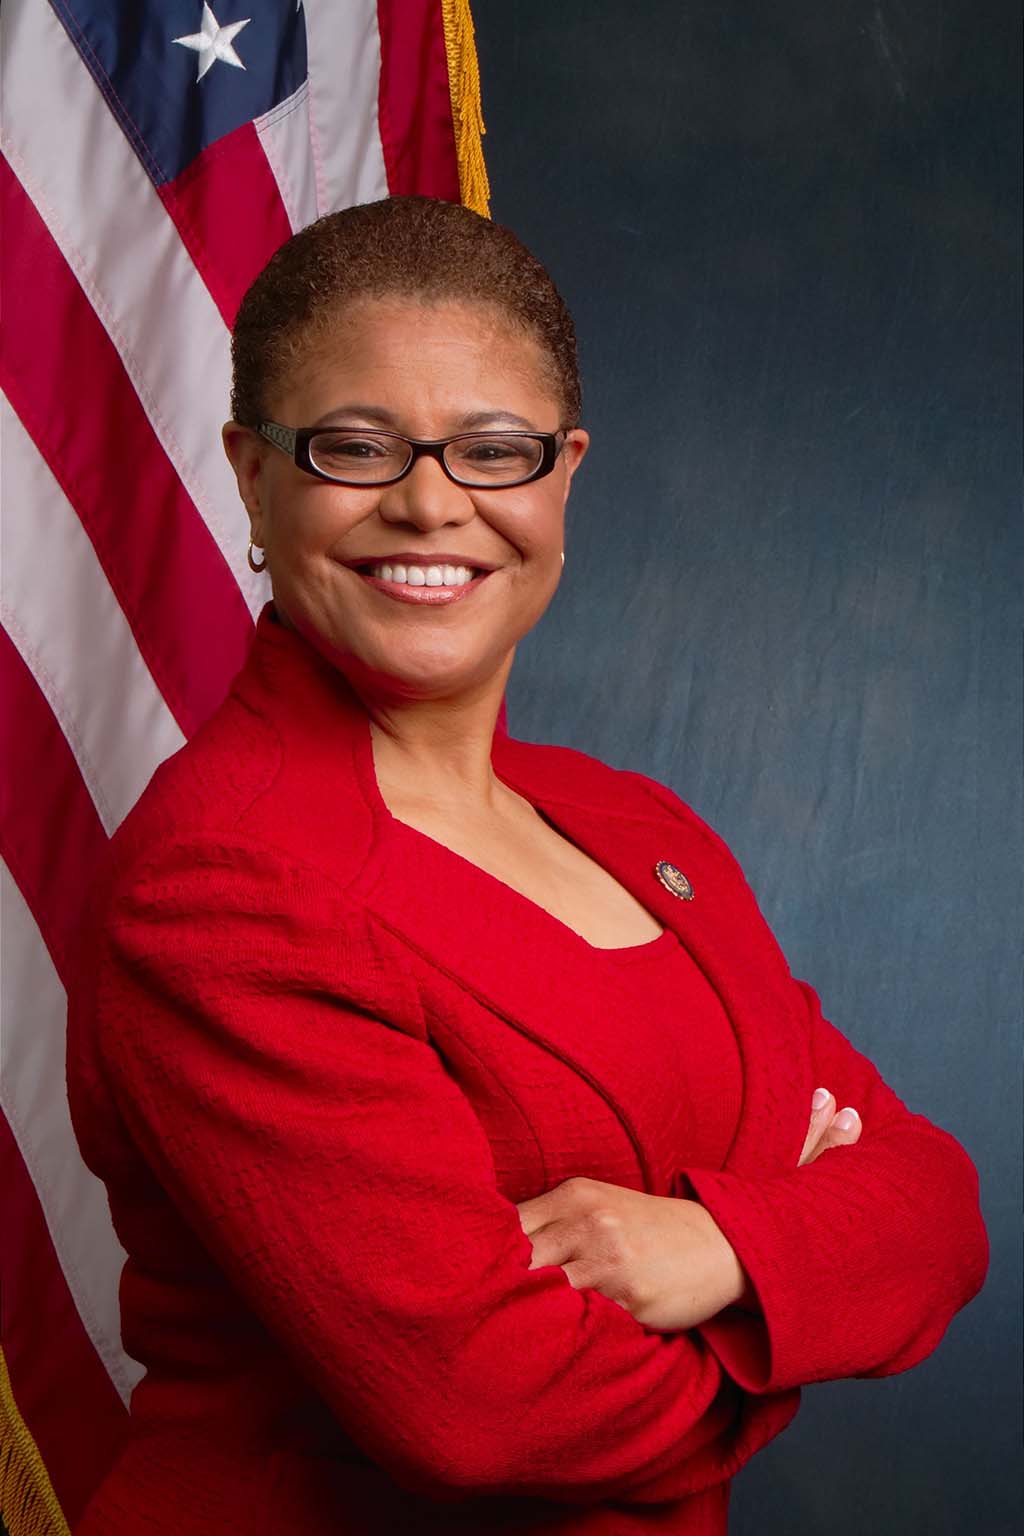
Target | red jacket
(317,1057)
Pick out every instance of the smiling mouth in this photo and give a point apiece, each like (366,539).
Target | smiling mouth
(407,573)
(433,584)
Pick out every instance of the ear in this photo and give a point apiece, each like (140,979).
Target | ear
(575,446)
(247,454)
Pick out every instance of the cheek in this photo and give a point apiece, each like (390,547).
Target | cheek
(534,525)
(313,522)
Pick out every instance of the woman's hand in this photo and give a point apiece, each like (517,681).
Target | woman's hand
(663,1259)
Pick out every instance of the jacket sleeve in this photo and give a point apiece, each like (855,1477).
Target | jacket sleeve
(861,1258)
(345,1186)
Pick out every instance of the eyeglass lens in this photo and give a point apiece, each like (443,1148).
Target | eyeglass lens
(479,458)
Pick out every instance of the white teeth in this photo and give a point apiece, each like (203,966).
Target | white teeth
(424,576)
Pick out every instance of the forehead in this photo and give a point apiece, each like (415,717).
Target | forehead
(402,352)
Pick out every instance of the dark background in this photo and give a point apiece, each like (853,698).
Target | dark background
(789,235)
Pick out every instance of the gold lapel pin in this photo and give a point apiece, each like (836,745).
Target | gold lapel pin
(673,880)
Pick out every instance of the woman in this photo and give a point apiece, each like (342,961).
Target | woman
(451,1093)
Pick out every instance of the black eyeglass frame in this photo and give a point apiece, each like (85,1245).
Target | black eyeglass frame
(295,442)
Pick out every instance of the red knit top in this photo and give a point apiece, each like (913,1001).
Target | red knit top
(678,1019)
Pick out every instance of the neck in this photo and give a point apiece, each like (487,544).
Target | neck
(437,751)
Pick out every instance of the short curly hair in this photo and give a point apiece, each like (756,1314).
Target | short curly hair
(416,247)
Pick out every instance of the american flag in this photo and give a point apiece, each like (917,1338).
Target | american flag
(154,154)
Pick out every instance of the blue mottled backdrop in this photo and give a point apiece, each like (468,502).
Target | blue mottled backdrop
(790,236)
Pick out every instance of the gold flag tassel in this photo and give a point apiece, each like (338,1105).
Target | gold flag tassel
(467,113)
(28,1504)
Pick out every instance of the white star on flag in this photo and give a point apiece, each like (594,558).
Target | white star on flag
(214,42)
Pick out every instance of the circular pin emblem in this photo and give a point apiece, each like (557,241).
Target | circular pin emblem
(673,880)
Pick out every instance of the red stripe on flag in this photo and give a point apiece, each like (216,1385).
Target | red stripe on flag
(60,1385)
(51,839)
(415,107)
(50,835)
(66,382)
(228,211)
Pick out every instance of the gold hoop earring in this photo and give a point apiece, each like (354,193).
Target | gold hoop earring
(563,556)
(252,563)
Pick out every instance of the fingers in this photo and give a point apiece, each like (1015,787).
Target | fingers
(568,1198)
(828,1127)
(823,1107)
(844,1130)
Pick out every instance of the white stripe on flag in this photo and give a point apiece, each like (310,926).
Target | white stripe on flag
(284,135)
(33,1097)
(343,44)
(65,621)
(78,168)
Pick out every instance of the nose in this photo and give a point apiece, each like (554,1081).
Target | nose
(426,498)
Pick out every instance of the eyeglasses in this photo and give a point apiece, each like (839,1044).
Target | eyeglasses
(359,456)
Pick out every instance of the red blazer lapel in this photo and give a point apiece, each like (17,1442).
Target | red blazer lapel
(510,956)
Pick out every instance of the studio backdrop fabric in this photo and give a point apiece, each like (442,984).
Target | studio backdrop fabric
(790,238)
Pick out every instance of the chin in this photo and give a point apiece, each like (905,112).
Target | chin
(430,677)
(395,666)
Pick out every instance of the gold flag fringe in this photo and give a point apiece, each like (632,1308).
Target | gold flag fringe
(28,1504)
(467,113)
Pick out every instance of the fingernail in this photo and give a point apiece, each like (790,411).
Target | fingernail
(819,1099)
(846,1119)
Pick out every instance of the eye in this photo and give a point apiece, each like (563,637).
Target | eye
(495,458)
(345,447)
(490,450)
(357,457)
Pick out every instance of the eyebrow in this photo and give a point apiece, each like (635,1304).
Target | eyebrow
(378,413)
